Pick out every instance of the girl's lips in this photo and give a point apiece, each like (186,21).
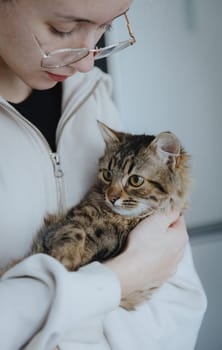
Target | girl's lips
(57,77)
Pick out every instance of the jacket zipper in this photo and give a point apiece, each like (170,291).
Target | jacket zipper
(55,160)
(57,169)
(59,174)
(54,156)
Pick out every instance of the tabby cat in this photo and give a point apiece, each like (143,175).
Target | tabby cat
(138,175)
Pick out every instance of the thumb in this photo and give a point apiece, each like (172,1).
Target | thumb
(161,219)
(167,218)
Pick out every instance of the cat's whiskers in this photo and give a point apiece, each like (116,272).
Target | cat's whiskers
(131,208)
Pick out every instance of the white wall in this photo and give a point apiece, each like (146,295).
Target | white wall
(172,80)
(207,258)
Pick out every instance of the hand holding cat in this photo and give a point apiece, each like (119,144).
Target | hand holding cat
(154,250)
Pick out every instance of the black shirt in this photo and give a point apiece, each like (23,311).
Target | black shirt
(43,109)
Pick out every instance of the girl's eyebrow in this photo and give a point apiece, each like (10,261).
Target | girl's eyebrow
(70,18)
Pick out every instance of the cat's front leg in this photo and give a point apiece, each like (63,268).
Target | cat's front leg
(69,247)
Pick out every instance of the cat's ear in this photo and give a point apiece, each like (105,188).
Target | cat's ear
(167,147)
(109,135)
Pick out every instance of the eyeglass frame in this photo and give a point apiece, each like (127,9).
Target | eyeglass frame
(96,51)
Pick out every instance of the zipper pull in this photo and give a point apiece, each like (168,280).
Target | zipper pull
(56,165)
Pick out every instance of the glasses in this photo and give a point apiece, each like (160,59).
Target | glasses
(64,57)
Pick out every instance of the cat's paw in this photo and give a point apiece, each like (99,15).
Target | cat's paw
(70,252)
(70,258)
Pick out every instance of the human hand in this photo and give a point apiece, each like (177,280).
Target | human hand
(155,247)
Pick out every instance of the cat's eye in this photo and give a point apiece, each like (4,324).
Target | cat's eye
(136,180)
(107,175)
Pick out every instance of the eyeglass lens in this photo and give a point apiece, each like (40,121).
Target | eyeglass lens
(63,58)
(109,50)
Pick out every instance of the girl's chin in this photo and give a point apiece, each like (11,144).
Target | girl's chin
(47,80)
(43,83)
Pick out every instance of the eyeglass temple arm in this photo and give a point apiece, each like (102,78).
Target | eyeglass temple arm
(129,29)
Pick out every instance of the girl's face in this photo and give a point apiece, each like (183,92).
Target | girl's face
(57,24)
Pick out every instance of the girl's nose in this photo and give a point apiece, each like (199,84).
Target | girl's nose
(85,64)
(87,38)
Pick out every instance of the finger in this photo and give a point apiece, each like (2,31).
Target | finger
(160,220)
(168,218)
(180,222)
(179,231)
(179,225)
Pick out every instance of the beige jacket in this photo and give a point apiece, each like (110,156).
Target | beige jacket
(41,303)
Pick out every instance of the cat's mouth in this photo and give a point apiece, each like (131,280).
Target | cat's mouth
(126,208)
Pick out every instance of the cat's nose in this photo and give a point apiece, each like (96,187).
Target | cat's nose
(113,195)
(113,199)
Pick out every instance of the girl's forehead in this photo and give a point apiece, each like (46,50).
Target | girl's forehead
(89,10)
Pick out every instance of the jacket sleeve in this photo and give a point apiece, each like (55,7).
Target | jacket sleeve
(40,293)
(170,320)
